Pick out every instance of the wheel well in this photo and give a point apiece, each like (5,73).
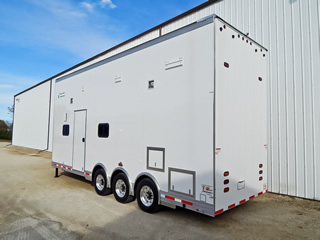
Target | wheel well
(115,173)
(140,179)
(96,168)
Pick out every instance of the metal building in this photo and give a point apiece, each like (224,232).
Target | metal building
(290,29)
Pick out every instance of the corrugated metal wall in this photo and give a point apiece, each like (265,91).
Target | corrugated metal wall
(290,30)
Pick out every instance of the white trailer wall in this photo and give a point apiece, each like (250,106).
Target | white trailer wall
(31,117)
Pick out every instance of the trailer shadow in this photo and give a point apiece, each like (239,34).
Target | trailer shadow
(168,224)
(74,176)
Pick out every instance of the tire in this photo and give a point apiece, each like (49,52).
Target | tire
(147,196)
(121,188)
(100,183)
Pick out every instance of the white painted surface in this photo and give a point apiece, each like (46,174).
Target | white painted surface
(181,182)
(79,140)
(31,118)
(155,159)
(240,116)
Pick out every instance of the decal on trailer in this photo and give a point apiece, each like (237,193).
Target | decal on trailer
(207,190)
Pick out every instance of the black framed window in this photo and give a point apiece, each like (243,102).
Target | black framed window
(65,130)
(103,130)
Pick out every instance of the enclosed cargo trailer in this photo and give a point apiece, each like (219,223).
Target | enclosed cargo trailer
(176,121)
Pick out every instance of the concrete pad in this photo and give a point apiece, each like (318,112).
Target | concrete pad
(35,205)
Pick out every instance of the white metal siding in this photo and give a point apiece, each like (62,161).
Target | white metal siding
(31,113)
(290,30)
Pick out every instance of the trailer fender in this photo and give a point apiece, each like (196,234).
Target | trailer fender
(121,169)
(148,175)
(100,165)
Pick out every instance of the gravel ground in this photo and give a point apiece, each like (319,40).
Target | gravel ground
(35,205)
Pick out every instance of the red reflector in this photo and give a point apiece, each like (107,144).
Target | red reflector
(171,198)
(226,189)
(260,178)
(185,202)
(232,206)
(251,197)
(224,26)
(218,149)
(226,173)
(260,78)
(55,164)
(226,181)
(238,35)
(260,165)
(64,167)
(69,168)
(266,190)
(226,64)
(59,165)
(260,193)
(219,211)
(260,172)
(88,174)
(242,201)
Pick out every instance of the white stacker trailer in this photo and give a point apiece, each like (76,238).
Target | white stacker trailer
(176,121)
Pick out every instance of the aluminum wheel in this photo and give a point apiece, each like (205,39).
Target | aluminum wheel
(120,188)
(146,196)
(100,182)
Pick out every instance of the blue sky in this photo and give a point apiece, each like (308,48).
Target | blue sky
(40,38)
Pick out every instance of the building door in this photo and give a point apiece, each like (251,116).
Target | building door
(79,140)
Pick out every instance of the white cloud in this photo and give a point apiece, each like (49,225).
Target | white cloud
(60,8)
(65,25)
(6,86)
(6,99)
(88,6)
(11,83)
(108,3)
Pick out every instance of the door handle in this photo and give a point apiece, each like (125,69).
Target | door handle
(83,139)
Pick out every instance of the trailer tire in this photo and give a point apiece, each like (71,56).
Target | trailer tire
(121,188)
(100,183)
(147,196)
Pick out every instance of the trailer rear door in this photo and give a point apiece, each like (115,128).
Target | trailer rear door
(240,118)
